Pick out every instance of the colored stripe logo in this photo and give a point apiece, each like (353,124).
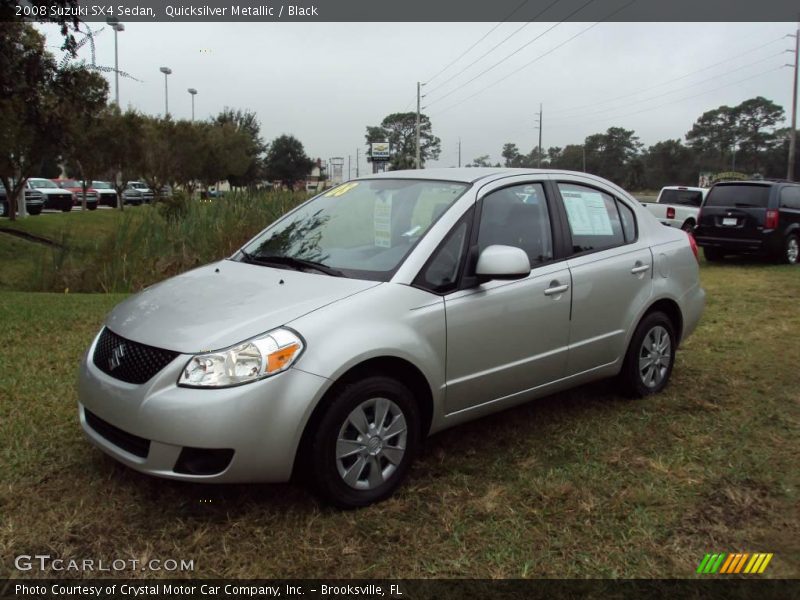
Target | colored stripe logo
(737,562)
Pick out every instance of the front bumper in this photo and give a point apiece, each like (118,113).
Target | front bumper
(260,422)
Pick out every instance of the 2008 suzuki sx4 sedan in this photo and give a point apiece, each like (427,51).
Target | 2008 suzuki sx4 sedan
(383,310)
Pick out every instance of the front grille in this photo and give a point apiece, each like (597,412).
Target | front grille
(129,361)
(134,444)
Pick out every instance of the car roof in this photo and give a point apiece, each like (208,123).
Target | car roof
(463,174)
(684,187)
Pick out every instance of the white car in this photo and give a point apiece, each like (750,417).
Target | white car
(55,197)
(678,206)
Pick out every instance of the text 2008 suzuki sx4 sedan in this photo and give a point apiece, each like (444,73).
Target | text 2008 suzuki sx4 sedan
(385,309)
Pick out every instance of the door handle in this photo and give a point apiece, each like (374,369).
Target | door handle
(640,269)
(556,289)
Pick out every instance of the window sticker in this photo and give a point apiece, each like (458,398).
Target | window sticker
(587,213)
(341,190)
(382,221)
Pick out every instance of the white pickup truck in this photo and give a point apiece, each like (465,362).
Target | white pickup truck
(678,206)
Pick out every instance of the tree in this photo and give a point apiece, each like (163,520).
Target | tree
(224,152)
(157,165)
(610,154)
(121,139)
(245,122)
(286,161)
(37,102)
(510,155)
(480,161)
(756,120)
(669,163)
(399,129)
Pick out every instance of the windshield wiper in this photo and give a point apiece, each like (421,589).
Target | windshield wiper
(298,264)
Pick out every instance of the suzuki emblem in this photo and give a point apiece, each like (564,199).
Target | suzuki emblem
(116,357)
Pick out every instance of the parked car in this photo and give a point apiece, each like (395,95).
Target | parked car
(34,201)
(383,310)
(76,188)
(55,198)
(678,206)
(751,217)
(136,192)
(106,194)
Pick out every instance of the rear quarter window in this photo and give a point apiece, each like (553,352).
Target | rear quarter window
(741,195)
(790,197)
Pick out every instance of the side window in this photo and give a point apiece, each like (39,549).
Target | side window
(593,218)
(628,222)
(517,216)
(441,273)
(790,197)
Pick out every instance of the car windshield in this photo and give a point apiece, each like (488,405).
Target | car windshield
(362,229)
(101,185)
(69,183)
(743,195)
(137,185)
(42,183)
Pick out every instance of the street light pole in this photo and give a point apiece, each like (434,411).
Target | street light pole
(166,71)
(793,129)
(117,27)
(193,92)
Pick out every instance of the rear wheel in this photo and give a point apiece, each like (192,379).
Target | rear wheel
(650,357)
(713,254)
(34,210)
(688,226)
(66,207)
(791,250)
(92,206)
(365,442)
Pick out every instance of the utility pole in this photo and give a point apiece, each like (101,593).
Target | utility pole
(539,127)
(793,129)
(584,157)
(417,160)
(459,153)
(349,169)
(357,160)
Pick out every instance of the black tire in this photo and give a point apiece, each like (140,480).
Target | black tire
(66,208)
(791,247)
(92,206)
(632,377)
(322,462)
(713,254)
(33,211)
(688,226)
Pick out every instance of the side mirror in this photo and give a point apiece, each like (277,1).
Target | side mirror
(503,262)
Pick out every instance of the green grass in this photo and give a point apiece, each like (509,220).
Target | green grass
(581,484)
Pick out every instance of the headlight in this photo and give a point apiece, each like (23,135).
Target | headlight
(255,359)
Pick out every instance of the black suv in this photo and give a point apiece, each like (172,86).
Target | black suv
(751,217)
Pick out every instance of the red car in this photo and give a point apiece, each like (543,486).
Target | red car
(74,186)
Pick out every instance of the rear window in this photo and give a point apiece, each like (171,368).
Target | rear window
(687,197)
(742,195)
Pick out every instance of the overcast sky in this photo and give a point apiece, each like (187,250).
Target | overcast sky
(325,82)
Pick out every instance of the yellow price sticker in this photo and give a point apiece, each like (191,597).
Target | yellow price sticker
(341,190)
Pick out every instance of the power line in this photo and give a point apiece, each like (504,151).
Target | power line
(673,91)
(485,35)
(657,85)
(501,61)
(496,46)
(526,65)
(671,102)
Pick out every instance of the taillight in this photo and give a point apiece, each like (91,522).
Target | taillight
(670,212)
(693,245)
(771,221)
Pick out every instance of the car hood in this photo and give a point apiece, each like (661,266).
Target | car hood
(224,303)
(51,191)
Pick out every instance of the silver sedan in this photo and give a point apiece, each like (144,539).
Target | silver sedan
(383,310)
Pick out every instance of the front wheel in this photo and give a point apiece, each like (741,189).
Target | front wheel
(791,250)
(650,357)
(92,206)
(33,211)
(365,442)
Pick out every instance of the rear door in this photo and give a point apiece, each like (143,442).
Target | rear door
(735,211)
(611,267)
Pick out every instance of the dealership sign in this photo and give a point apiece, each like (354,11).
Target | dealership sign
(379,150)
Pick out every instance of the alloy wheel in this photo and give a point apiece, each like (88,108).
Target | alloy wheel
(371,443)
(654,356)
(792,251)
